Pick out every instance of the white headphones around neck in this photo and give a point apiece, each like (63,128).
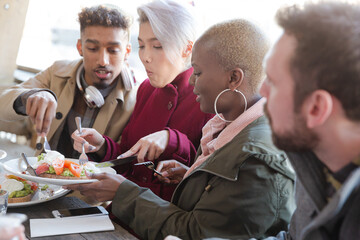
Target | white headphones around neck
(92,95)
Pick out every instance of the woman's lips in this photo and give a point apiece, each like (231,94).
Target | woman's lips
(149,73)
(197,98)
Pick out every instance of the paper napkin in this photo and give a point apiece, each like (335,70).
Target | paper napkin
(68,225)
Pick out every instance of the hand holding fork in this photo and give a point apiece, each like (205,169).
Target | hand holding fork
(83,157)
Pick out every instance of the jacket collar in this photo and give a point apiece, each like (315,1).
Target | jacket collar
(254,140)
(309,171)
(69,69)
(181,82)
(337,203)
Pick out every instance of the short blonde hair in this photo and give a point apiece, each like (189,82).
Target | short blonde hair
(238,43)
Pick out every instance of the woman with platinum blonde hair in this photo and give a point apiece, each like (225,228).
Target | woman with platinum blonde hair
(241,185)
(166,122)
(174,25)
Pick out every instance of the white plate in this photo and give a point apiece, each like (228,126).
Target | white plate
(42,196)
(17,166)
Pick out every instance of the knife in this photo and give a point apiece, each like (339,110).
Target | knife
(29,168)
(115,162)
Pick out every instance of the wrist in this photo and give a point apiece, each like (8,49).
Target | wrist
(102,148)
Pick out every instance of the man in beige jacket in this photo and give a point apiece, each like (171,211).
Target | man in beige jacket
(99,88)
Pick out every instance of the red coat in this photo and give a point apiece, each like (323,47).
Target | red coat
(173,108)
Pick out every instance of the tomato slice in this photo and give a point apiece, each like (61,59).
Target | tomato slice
(42,168)
(34,186)
(75,169)
(58,165)
(67,163)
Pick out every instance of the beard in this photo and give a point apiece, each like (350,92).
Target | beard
(298,139)
(101,85)
(104,83)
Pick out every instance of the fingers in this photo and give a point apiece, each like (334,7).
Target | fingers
(76,136)
(158,153)
(41,108)
(132,151)
(49,116)
(142,154)
(102,190)
(83,187)
(172,171)
(154,152)
(166,168)
(86,133)
(175,175)
(164,165)
(87,147)
(78,141)
(143,149)
(91,139)
(150,153)
(160,166)
(77,146)
(101,176)
(150,146)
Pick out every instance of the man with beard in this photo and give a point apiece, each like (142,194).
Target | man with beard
(313,97)
(100,88)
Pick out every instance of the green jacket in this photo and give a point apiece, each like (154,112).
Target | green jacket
(243,190)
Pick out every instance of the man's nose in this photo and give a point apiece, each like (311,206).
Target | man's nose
(103,58)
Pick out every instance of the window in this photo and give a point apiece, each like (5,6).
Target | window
(52,34)
(51,28)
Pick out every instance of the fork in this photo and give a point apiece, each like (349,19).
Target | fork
(47,147)
(83,157)
(150,165)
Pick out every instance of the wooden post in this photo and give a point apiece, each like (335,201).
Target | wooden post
(12,21)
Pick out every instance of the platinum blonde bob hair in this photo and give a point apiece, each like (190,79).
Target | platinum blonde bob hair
(173,24)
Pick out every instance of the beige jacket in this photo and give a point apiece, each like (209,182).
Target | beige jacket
(61,79)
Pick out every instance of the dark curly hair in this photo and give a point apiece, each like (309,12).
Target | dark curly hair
(106,16)
(327,55)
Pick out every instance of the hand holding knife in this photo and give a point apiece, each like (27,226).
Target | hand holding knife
(116,162)
(121,161)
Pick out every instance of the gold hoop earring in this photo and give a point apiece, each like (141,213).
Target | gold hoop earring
(216,99)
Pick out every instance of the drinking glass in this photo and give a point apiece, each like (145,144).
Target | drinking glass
(10,226)
(3,154)
(3,201)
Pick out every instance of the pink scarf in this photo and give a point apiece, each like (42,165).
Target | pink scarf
(209,144)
